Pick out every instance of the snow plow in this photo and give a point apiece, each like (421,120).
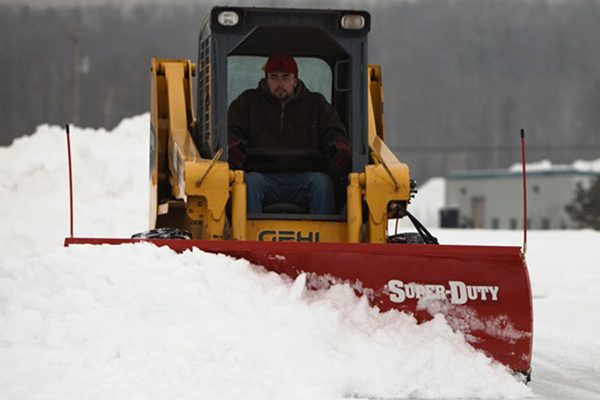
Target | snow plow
(198,201)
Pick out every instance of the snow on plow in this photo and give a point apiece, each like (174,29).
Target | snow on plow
(483,291)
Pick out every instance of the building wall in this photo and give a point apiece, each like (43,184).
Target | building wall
(495,200)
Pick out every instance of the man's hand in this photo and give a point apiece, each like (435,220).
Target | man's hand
(237,153)
(341,157)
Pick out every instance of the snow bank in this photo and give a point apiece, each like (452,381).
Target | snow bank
(110,179)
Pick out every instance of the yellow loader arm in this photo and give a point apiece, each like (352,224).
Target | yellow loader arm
(186,191)
(387,181)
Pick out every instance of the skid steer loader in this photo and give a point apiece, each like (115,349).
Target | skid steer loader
(483,291)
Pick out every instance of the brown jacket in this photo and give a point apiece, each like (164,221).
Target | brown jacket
(285,137)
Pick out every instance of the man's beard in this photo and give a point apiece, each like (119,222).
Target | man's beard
(281,94)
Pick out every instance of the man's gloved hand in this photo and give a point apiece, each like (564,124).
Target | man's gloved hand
(341,157)
(237,153)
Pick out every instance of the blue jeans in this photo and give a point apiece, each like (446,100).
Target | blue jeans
(313,190)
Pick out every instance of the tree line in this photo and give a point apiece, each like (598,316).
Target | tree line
(461,77)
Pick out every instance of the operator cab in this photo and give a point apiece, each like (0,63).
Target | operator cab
(330,48)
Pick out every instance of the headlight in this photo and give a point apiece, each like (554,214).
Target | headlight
(353,22)
(228,18)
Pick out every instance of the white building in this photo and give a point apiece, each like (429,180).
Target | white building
(493,199)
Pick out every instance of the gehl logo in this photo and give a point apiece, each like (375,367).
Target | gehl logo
(287,236)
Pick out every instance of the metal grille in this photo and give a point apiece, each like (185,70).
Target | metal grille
(204,123)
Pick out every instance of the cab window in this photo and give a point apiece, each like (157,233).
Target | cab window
(244,72)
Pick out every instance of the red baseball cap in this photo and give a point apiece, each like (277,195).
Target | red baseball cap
(281,63)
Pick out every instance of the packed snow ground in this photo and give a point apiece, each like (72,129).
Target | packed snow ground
(138,322)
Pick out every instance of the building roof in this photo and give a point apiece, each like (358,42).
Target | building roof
(513,172)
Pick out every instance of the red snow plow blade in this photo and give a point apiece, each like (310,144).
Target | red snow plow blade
(483,292)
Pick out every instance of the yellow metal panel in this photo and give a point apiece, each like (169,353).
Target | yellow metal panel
(214,186)
(154,131)
(355,215)
(238,206)
(209,226)
(379,192)
(376,91)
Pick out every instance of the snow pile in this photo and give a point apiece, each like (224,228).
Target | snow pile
(110,179)
(135,321)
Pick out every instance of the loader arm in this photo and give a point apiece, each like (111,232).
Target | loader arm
(387,180)
(187,191)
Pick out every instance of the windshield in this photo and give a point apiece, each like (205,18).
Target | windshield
(244,72)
